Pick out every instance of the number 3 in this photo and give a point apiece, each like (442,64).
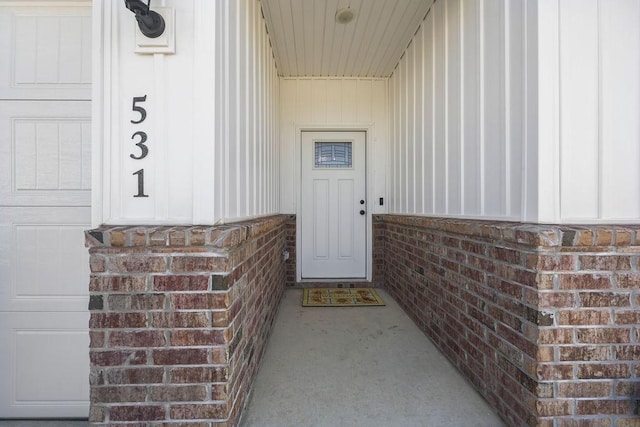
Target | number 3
(143,148)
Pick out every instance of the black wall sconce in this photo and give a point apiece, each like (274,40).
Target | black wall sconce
(151,23)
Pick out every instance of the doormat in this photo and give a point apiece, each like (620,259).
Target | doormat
(332,297)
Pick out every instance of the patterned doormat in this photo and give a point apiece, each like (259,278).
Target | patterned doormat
(332,297)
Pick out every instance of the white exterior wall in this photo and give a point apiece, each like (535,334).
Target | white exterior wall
(589,110)
(460,112)
(333,104)
(212,117)
(518,110)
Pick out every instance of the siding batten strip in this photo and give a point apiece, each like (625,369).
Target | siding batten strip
(481,43)
(506,16)
(447,142)
(161,186)
(461,109)
(600,189)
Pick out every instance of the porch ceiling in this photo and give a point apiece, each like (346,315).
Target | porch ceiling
(307,40)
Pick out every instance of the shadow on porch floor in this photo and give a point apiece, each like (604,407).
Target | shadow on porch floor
(367,366)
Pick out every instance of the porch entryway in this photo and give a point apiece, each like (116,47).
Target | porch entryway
(368,366)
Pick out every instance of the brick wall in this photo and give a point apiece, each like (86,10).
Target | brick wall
(542,320)
(180,318)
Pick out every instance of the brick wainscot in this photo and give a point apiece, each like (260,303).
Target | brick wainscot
(179,319)
(542,320)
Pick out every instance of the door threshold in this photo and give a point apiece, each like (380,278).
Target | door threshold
(333,283)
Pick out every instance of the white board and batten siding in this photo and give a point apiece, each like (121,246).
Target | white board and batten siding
(211,121)
(525,111)
(589,110)
(45,196)
(459,100)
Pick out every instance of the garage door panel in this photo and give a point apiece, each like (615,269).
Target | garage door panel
(42,377)
(45,150)
(46,265)
(50,52)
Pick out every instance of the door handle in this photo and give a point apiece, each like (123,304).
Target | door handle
(362,212)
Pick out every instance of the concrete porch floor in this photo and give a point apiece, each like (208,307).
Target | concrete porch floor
(367,366)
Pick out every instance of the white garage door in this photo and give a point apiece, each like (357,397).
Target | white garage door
(45,176)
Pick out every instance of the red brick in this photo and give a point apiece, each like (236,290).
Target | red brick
(118,394)
(585,389)
(136,302)
(199,301)
(116,358)
(198,337)
(181,283)
(584,281)
(629,317)
(193,412)
(628,280)
(584,317)
(96,414)
(541,262)
(96,339)
(554,408)
(197,237)
(97,264)
(117,320)
(178,319)
(178,393)
(633,421)
(603,370)
(117,284)
(629,388)
(605,262)
(137,264)
(117,238)
(555,336)
(583,422)
(623,237)
(603,335)
(177,237)
(194,375)
(628,352)
(556,300)
(136,339)
(604,299)
(137,413)
(604,237)
(196,264)
(137,375)
(186,356)
(585,353)
(554,372)
(599,407)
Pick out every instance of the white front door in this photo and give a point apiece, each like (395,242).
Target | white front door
(45,195)
(333,206)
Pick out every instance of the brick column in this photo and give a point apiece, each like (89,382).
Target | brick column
(180,318)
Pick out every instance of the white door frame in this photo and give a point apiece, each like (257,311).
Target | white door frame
(367,128)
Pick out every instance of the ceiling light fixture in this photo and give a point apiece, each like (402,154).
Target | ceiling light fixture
(344,16)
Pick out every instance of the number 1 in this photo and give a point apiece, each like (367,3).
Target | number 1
(140,174)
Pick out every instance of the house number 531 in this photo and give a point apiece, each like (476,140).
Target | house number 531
(141,138)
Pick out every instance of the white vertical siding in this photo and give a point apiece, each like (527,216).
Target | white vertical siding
(212,117)
(333,104)
(459,92)
(590,105)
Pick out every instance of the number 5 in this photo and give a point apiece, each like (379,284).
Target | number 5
(141,110)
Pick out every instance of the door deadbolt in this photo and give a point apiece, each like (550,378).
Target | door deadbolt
(362,202)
